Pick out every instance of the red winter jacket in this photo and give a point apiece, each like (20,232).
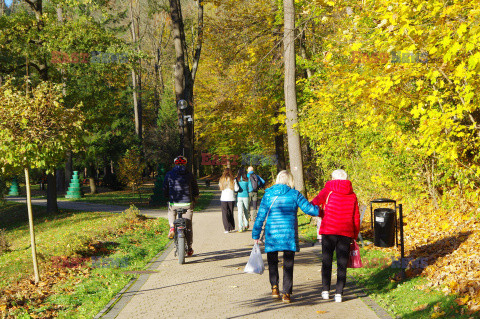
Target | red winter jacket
(340,214)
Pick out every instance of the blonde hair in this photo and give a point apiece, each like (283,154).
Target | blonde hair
(285,177)
(226,181)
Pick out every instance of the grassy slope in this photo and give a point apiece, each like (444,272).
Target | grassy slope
(81,291)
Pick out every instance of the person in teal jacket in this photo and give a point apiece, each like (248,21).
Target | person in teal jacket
(243,205)
(279,208)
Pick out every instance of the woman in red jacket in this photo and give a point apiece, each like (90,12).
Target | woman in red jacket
(340,225)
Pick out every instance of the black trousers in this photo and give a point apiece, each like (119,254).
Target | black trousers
(340,244)
(288,259)
(227,215)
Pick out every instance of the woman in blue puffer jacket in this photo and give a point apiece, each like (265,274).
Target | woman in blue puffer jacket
(279,208)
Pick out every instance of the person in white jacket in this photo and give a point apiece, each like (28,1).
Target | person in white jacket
(227,199)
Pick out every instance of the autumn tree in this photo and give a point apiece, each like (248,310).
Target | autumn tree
(240,105)
(294,146)
(184,73)
(131,168)
(36,131)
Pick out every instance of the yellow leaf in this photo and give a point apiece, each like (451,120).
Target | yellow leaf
(321,311)
(437,314)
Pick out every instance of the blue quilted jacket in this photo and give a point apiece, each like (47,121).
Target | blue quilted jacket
(281,229)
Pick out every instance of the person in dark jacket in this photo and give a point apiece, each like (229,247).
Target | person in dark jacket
(279,208)
(181,189)
(340,225)
(254,183)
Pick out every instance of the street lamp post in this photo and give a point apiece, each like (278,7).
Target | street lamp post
(183,121)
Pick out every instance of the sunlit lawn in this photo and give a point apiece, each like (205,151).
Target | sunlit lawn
(82,291)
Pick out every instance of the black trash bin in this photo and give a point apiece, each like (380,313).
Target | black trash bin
(384,227)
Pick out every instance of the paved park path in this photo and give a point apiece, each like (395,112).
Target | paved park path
(212,284)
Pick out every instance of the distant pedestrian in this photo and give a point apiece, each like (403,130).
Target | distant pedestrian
(255,182)
(340,225)
(241,187)
(227,199)
(278,209)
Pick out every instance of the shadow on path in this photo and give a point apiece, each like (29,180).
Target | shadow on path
(303,295)
(133,292)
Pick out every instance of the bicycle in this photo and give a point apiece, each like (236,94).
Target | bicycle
(180,225)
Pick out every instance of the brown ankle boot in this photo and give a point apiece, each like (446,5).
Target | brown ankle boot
(275,292)
(286,298)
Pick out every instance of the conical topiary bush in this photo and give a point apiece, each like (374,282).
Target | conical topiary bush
(15,188)
(74,189)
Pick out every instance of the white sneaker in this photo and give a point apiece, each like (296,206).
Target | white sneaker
(338,298)
(325,295)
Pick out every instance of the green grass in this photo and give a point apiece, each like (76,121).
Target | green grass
(56,235)
(135,250)
(306,231)
(139,199)
(125,197)
(203,201)
(69,234)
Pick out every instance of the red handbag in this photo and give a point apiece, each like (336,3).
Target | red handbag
(354,261)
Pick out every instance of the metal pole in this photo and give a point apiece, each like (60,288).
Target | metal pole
(371,215)
(396,226)
(402,243)
(183,135)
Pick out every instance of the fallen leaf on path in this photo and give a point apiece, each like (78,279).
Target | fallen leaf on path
(233,286)
(321,311)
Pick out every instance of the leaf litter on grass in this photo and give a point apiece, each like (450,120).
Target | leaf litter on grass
(60,276)
(449,243)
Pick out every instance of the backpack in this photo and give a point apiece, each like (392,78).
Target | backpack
(254,181)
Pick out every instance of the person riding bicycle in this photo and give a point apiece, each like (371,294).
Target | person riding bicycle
(181,189)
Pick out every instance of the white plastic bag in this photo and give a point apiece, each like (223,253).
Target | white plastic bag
(255,262)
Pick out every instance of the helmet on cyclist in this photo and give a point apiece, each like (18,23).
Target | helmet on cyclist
(180,160)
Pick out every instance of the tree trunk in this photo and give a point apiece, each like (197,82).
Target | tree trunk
(136,77)
(137,104)
(60,179)
(91,179)
(68,169)
(303,53)
(52,206)
(30,223)
(294,147)
(184,77)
